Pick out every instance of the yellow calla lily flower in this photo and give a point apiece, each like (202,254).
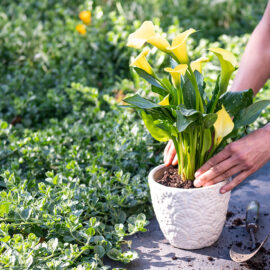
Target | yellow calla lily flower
(176,73)
(146,33)
(159,42)
(165,101)
(85,16)
(179,46)
(141,35)
(223,125)
(80,28)
(142,63)
(228,64)
(197,64)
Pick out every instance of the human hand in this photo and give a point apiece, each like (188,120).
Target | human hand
(244,157)
(170,156)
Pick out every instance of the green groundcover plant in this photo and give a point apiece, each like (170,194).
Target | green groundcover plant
(197,124)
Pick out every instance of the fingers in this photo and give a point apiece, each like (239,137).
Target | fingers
(169,154)
(175,160)
(221,171)
(224,175)
(236,181)
(168,146)
(213,161)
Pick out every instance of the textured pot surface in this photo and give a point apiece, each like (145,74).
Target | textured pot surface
(188,218)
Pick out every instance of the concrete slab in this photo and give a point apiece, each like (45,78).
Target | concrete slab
(156,253)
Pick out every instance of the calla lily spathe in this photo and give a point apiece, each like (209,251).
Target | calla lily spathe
(165,101)
(179,46)
(228,64)
(176,73)
(223,125)
(142,63)
(197,64)
(146,33)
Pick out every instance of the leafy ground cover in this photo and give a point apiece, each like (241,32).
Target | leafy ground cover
(73,163)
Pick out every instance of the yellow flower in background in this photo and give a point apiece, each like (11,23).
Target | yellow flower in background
(223,125)
(197,64)
(146,33)
(81,28)
(165,101)
(142,63)
(228,64)
(85,16)
(176,73)
(179,46)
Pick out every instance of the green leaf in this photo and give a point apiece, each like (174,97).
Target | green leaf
(159,91)
(182,122)
(209,120)
(236,101)
(189,94)
(215,95)
(248,115)
(100,251)
(90,231)
(201,86)
(207,142)
(4,208)
(148,78)
(167,127)
(141,102)
(156,132)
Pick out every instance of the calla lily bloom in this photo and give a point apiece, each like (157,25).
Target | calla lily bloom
(85,16)
(179,46)
(176,73)
(80,28)
(197,64)
(146,33)
(223,125)
(142,63)
(228,64)
(165,101)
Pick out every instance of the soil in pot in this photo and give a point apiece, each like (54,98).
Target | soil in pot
(171,178)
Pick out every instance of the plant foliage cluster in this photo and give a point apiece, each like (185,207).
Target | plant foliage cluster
(73,164)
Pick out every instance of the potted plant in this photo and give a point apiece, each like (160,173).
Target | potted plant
(198,125)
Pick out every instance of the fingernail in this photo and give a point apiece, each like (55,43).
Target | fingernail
(197,174)
(223,190)
(197,183)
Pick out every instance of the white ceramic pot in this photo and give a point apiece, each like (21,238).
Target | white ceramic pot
(188,218)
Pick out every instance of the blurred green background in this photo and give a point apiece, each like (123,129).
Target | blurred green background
(68,152)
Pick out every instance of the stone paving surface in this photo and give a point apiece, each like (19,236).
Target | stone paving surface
(156,253)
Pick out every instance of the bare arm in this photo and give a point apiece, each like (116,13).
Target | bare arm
(254,67)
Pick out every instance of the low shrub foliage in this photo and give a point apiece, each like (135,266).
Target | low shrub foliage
(73,163)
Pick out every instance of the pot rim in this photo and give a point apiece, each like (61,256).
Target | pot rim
(154,170)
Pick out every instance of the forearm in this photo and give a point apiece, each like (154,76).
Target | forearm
(254,68)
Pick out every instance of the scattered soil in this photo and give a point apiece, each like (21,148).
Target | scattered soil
(172,179)
(256,265)
(229,215)
(238,222)
(211,259)
(238,244)
(174,258)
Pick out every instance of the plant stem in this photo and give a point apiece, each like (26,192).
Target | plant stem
(199,103)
